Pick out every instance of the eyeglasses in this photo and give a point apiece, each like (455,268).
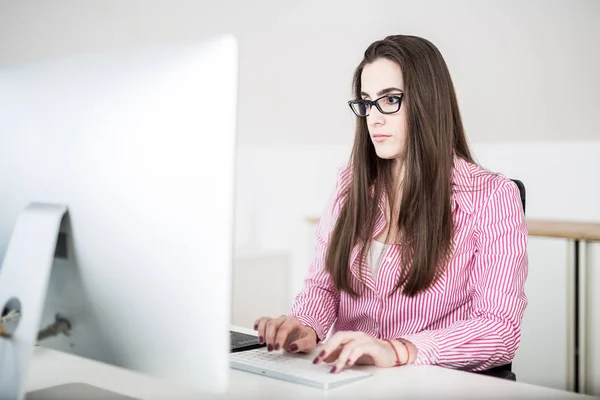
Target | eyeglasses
(387,104)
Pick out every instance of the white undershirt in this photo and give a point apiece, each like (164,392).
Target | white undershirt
(376,255)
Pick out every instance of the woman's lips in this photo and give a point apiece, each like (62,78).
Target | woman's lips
(380,137)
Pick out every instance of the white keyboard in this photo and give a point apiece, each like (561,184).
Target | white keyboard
(291,368)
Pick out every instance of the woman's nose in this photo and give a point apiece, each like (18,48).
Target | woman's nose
(375,118)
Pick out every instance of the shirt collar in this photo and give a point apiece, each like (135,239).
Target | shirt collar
(462,196)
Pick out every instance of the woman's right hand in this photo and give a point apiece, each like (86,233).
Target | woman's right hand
(286,333)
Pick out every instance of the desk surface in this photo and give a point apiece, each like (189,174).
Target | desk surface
(564,229)
(50,367)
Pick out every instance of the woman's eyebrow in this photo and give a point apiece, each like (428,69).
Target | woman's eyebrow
(383,91)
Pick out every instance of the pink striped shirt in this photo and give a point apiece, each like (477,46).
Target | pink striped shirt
(470,318)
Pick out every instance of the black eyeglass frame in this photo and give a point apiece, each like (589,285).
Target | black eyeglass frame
(371,103)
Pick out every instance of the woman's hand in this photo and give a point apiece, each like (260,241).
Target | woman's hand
(285,332)
(345,349)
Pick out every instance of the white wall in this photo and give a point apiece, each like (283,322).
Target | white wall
(524,70)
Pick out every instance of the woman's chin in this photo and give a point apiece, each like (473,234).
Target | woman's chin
(386,155)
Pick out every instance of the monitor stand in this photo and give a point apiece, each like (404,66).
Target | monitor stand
(75,391)
(24,277)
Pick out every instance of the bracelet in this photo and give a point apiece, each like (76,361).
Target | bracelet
(398,363)
(407,351)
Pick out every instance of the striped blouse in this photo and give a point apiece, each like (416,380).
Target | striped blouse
(470,318)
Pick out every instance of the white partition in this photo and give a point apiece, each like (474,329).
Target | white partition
(260,285)
(542,358)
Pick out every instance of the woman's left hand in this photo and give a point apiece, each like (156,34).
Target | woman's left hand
(345,349)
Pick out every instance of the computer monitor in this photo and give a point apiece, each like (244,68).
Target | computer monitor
(131,157)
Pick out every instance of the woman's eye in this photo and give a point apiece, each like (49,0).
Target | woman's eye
(392,99)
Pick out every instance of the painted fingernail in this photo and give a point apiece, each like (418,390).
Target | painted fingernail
(322,354)
(348,362)
(316,360)
(293,347)
(270,347)
(260,340)
(255,327)
(276,346)
(333,370)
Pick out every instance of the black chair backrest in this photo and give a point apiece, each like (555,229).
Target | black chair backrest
(521,191)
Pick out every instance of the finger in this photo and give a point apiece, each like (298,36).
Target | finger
(271,331)
(306,342)
(331,357)
(337,340)
(288,326)
(261,325)
(355,348)
(363,350)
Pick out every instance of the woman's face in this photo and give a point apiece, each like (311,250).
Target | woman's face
(382,80)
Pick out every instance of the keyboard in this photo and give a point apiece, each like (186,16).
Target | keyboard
(292,368)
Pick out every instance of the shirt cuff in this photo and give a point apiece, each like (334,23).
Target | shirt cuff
(312,323)
(427,348)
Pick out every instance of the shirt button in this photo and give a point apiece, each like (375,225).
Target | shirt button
(389,259)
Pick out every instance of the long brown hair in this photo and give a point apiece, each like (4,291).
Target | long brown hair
(434,134)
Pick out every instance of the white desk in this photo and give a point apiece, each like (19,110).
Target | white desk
(49,368)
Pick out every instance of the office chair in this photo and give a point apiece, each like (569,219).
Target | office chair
(505,371)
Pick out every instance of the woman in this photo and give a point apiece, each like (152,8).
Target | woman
(420,253)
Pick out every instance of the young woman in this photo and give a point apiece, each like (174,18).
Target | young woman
(420,253)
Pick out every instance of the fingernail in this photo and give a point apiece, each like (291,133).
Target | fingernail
(270,347)
(260,339)
(256,327)
(293,347)
(316,360)
(322,354)
(333,370)
(348,362)
(276,346)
